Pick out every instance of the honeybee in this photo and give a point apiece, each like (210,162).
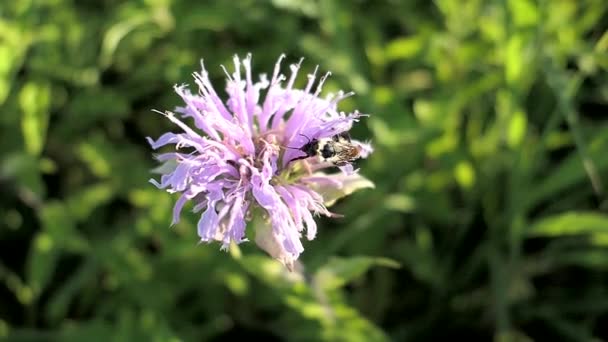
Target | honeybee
(338,149)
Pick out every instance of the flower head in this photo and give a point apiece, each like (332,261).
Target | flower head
(244,154)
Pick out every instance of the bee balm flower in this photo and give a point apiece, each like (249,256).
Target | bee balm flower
(241,155)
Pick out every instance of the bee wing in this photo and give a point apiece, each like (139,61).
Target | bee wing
(343,137)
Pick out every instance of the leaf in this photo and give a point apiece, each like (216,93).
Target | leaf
(81,203)
(351,325)
(97,156)
(60,226)
(596,258)
(465,174)
(6,66)
(570,223)
(41,263)
(100,329)
(524,12)
(515,61)
(517,129)
(400,202)
(335,186)
(115,34)
(340,271)
(59,302)
(511,336)
(404,48)
(35,99)
(98,104)
(25,171)
(308,8)
(269,241)
(14,43)
(570,170)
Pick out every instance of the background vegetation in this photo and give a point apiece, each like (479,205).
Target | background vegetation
(488,119)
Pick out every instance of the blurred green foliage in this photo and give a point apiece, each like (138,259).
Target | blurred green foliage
(488,119)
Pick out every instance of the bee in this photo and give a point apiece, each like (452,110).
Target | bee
(338,149)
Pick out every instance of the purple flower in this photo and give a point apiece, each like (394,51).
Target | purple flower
(238,159)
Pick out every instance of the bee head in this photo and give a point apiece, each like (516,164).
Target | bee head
(310,148)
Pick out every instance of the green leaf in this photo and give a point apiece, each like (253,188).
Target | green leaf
(25,170)
(570,223)
(84,201)
(517,129)
(90,105)
(570,170)
(596,258)
(42,260)
(35,99)
(97,156)
(524,12)
(404,48)
(465,174)
(100,329)
(340,271)
(512,336)
(60,226)
(7,56)
(515,62)
(116,33)
(342,186)
(59,302)
(351,325)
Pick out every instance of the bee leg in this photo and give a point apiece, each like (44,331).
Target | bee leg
(297,158)
(307,168)
(305,164)
(293,160)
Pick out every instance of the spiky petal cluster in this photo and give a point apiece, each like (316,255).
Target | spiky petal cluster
(234,159)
